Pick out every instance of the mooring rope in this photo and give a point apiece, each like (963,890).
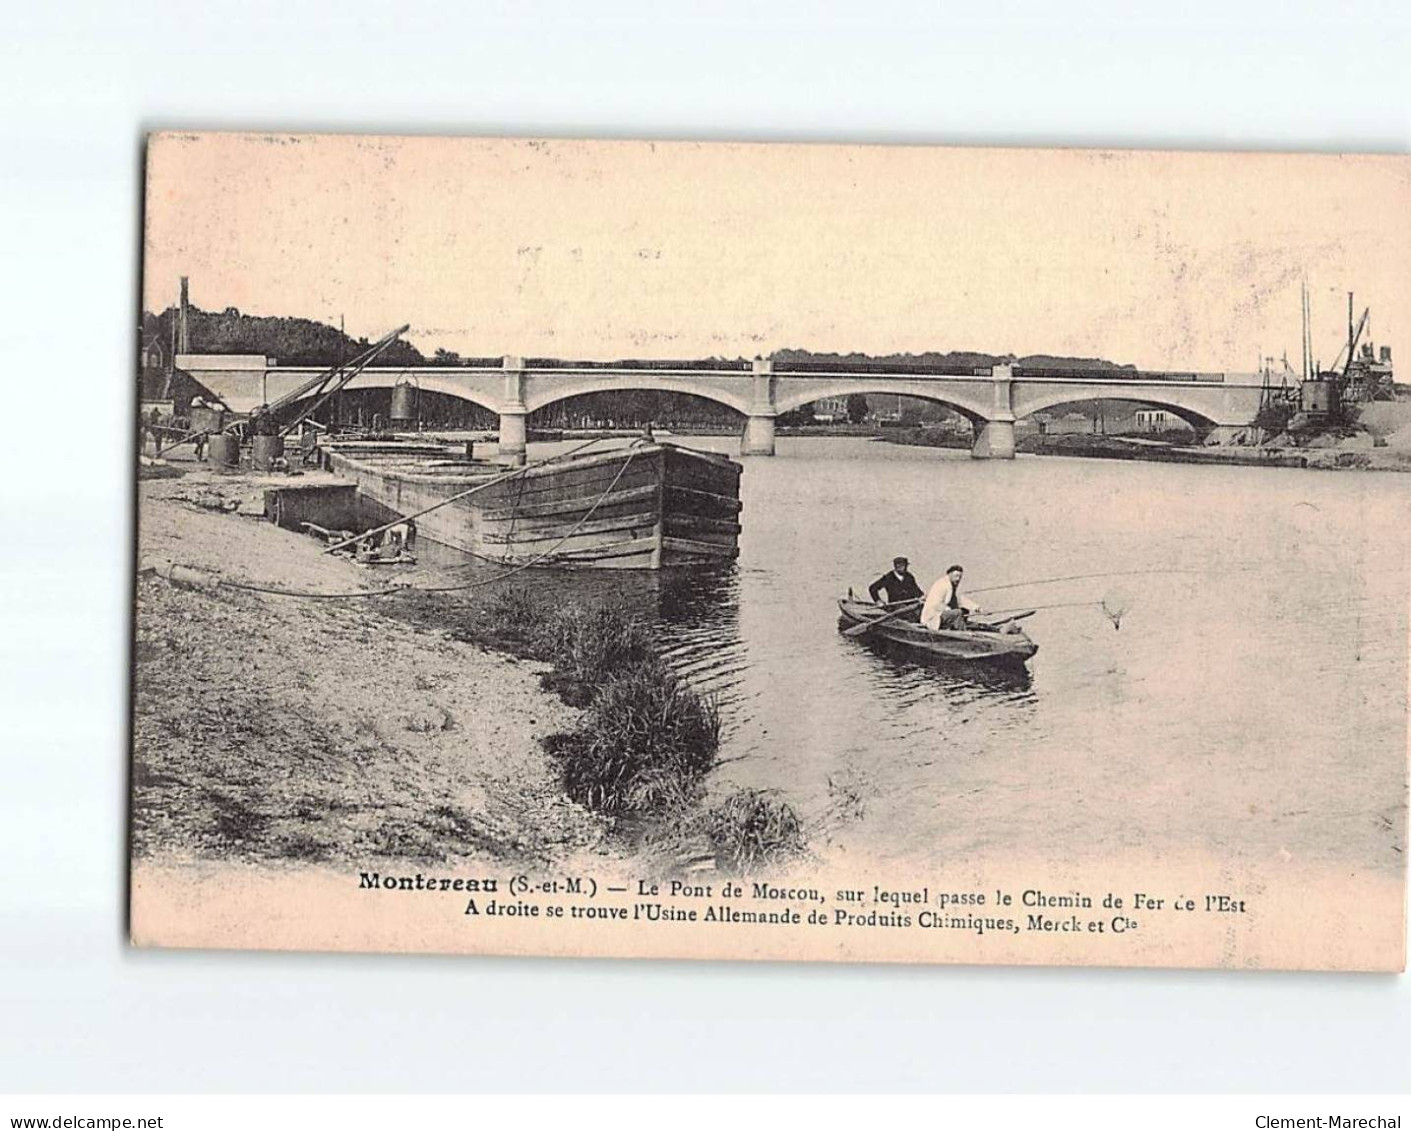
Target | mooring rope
(503,477)
(514,518)
(479,582)
(308,595)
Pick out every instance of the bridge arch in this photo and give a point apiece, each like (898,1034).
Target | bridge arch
(544,392)
(448,384)
(1197,418)
(971,408)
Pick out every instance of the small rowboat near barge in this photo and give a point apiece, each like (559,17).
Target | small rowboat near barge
(990,645)
(648,506)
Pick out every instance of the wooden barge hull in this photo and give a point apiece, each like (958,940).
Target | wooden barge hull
(989,647)
(651,506)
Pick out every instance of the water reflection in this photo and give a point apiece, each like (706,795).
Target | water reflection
(897,667)
(699,618)
(696,614)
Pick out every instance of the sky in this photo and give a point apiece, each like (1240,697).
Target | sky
(602,250)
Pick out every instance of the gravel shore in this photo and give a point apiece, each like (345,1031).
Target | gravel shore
(270,728)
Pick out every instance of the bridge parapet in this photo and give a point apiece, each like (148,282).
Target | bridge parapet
(880,369)
(1110,373)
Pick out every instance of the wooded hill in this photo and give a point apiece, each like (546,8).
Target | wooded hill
(292,341)
(958,358)
(302,341)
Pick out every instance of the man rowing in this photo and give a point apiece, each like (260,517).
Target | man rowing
(900,587)
(943,607)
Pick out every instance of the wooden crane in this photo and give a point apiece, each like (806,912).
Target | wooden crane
(318,389)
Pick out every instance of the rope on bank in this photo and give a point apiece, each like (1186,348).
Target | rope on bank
(190,577)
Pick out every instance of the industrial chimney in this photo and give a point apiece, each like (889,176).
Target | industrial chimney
(183,329)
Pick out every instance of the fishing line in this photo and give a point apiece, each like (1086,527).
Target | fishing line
(1038,608)
(1219,567)
(1083,577)
(1114,605)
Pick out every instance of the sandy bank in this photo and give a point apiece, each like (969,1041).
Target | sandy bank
(269,728)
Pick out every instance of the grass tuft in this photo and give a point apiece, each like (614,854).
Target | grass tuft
(514,613)
(588,644)
(753,829)
(644,743)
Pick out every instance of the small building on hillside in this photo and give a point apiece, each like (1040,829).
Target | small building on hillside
(830,410)
(1157,420)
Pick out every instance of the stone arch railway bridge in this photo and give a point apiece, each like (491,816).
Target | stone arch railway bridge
(992,398)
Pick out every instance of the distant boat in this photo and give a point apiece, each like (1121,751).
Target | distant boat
(648,506)
(988,645)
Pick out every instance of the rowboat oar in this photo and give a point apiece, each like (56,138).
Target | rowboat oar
(859,629)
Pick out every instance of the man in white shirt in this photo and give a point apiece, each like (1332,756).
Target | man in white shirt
(943,608)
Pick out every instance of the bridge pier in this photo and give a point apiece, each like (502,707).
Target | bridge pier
(759,424)
(514,431)
(994,440)
(513,438)
(759,436)
(994,437)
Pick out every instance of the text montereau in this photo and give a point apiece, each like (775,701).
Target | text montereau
(373,881)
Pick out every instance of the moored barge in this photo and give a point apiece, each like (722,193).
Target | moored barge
(652,505)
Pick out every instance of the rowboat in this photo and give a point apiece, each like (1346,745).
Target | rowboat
(1007,645)
(652,505)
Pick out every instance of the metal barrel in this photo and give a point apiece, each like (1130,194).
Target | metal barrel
(224,450)
(403,402)
(207,419)
(266,450)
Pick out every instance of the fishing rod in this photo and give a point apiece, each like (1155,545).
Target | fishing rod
(1080,577)
(1223,567)
(1039,608)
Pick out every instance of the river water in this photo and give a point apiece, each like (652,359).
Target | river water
(1251,705)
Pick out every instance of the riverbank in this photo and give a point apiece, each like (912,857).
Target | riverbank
(274,729)
(1344,456)
(512,726)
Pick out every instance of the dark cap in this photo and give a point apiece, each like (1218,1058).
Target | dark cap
(903,561)
(952,569)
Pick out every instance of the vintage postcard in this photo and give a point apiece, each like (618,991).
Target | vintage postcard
(817,552)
